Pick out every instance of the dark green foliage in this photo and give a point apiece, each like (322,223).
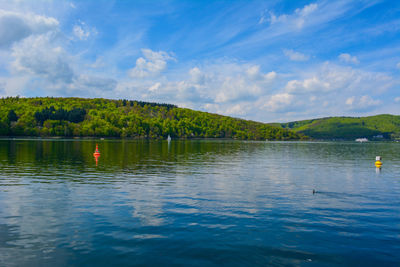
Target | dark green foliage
(74,115)
(348,128)
(128,119)
(12,116)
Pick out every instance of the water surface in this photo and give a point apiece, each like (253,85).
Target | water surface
(198,203)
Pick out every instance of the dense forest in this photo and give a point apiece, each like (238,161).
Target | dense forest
(81,117)
(379,127)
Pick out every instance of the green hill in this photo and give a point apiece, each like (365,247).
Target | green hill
(72,117)
(349,128)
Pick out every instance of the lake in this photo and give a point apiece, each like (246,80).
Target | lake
(198,203)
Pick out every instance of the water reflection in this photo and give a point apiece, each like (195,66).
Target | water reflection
(188,201)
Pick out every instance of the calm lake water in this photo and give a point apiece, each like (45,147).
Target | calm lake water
(198,203)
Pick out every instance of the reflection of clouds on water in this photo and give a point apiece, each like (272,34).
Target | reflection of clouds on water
(143,193)
(148,212)
(149,236)
(34,220)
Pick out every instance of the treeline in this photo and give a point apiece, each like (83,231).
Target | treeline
(131,103)
(72,117)
(379,127)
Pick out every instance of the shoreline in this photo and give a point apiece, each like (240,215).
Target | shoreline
(90,138)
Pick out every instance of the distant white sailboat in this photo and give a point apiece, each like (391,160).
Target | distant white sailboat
(361,140)
(169,138)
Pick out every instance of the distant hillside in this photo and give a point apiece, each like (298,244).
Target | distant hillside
(72,117)
(348,128)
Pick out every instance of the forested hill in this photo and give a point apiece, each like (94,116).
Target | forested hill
(124,118)
(377,127)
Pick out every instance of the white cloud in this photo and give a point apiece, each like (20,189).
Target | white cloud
(17,26)
(253,73)
(228,87)
(41,59)
(279,102)
(333,78)
(155,87)
(362,103)
(223,86)
(397,99)
(276,19)
(344,57)
(306,10)
(398,65)
(80,33)
(313,84)
(83,31)
(237,109)
(37,55)
(350,100)
(233,82)
(295,56)
(153,63)
(197,76)
(325,90)
(297,19)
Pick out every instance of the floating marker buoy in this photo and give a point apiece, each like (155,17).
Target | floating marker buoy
(378,162)
(96,154)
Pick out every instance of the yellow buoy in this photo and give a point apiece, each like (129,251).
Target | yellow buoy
(378,162)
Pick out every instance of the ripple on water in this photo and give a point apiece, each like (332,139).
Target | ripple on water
(199,203)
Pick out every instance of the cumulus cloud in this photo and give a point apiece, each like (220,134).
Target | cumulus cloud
(223,86)
(324,90)
(245,90)
(237,109)
(42,58)
(295,56)
(362,103)
(279,102)
(332,78)
(38,56)
(253,73)
(313,84)
(17,26)
(197,76)
(344,57)
(151,64)
(231,82)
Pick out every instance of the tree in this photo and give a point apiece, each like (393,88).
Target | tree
(12,116)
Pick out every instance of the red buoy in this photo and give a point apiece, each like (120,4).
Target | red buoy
(96,152)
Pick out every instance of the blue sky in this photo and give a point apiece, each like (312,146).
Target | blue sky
(261,60)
